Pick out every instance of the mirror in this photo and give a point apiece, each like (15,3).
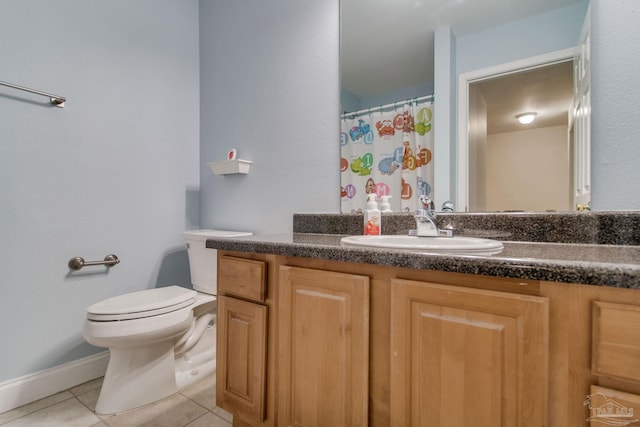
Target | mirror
(388,57)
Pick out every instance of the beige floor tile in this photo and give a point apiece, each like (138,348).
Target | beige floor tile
(90,398)
(203,392)
(174,411)
(209,420)
(68,413)
(100,424)
(5,417)
(223,414)
(88,386)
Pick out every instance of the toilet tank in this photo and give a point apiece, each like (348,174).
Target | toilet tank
(202,261)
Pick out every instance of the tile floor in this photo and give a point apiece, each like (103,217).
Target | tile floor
(194,406)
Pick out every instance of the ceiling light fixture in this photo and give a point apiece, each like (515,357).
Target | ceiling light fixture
(526,118)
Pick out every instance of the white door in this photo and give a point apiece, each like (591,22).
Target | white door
(580,121)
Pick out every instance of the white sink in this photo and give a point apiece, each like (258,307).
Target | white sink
(455,245)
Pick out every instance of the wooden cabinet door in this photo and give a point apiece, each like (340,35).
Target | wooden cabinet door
(241,355)
(324,348)
(467,357)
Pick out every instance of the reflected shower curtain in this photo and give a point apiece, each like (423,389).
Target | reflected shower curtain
(388,153)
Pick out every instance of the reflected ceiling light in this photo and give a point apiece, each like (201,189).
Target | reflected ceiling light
(526,118)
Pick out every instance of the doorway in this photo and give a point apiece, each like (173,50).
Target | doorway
(502,165)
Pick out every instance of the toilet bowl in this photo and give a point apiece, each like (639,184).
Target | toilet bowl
(160,340)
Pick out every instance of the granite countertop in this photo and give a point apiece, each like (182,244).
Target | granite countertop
(583,263)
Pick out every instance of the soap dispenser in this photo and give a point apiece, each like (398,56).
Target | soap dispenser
(372,225)
(385,206)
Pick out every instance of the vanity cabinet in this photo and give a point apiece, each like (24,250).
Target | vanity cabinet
(462,356)
(323,328)
(312,342)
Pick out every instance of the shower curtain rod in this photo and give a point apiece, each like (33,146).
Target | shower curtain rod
(383,107)
(56,100)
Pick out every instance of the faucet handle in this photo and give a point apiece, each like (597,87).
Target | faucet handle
(448,206)
(427,203)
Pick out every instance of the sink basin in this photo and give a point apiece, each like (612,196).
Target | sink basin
(449,245)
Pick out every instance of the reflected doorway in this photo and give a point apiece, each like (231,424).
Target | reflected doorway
(514,166)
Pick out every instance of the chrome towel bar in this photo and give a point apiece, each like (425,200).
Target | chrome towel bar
(76,263)
(56,100)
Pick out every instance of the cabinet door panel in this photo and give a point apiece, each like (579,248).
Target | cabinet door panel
(616,340)
(241,347)
(463,357)
(324,345)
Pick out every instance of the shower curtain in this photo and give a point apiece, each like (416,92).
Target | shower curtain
(389,153)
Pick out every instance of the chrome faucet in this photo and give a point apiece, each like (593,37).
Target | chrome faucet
(426,220)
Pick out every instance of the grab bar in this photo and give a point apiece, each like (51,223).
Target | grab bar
(76,263)
(56,100)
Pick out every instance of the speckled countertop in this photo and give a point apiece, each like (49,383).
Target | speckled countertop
(616,265)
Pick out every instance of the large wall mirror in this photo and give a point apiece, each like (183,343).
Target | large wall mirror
(387,55)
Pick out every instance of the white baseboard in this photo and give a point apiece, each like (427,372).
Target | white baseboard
(29,388)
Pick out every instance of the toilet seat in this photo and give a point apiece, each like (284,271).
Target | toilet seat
(141,304)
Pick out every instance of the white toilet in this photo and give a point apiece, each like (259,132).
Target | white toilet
(160,340)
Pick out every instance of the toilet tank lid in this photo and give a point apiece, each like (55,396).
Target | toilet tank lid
(205,234)
(147,300)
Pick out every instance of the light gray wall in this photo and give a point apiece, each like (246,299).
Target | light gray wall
(399,95)
(615,99)
(270,88)
(114,171)
(520,39)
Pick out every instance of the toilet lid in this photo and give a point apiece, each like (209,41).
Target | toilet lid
(147,303)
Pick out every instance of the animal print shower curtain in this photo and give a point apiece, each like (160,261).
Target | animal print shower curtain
(389,153)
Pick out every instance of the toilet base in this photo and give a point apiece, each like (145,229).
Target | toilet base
(197,363)
(137,377)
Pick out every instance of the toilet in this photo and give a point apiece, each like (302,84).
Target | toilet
(160,340)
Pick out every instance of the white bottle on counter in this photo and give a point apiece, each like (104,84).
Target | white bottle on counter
(372,219)
(385,206)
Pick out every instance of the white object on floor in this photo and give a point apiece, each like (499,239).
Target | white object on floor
(160,340)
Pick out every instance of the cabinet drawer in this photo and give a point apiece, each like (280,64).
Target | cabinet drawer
(243,278)
(616,340)
(612,407)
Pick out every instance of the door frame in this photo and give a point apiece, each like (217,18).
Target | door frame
(461,178)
